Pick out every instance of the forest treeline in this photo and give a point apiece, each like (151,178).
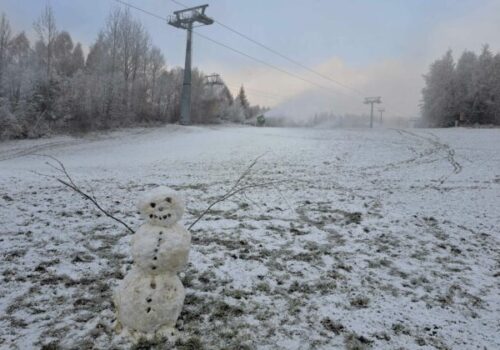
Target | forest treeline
(467,92)
(51,87)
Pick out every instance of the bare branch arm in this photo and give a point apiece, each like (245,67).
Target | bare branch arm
(235,189)
(68,182)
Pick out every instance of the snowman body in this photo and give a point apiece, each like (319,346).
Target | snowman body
(150,298)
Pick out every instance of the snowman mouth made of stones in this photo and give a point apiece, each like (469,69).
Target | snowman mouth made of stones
(150,298)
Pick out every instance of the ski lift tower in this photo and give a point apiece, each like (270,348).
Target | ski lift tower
(184,19)
(213,80)
(371,101)
(381,110)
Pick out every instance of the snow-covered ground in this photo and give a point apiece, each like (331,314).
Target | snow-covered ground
(375,238)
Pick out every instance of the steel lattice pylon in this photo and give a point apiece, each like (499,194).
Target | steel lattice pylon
(184,19)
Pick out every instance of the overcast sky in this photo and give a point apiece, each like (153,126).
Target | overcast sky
(378,47)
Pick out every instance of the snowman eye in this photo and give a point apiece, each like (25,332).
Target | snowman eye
(152,205)
(168,199)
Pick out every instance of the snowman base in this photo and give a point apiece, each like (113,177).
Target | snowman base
(148,306)
(167,334)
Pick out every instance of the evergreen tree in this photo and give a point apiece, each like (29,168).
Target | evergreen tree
(243,102)
(483,109)
(63,50)
(496,89)
(464,86)
(439,105)
(77,58)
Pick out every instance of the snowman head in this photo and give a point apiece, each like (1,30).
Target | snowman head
(161,206)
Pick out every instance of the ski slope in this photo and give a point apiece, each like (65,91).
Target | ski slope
(379,239)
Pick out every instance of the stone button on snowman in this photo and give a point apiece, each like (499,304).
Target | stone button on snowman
(150,298)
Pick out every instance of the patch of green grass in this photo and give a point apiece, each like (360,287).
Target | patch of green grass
(236,293)
(354,341)
(193,343)
(360,302)
(377,263)
(294,306)
(352,218)
(299,287)
(156,343)
(243,205)
(195,308)
(224,311)
(263,287)
(332,326)
(325,287)
(399,328)
(238,347)
(50,346)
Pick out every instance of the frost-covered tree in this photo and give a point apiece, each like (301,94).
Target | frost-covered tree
(468,91)
(5,36)
(77,58)
(243,101)
(63,54)
(216,100)
(156,63)
(496,90)
(484,81)
(46,30)
(19,73)
(50,86)
(464,85)
(438,96)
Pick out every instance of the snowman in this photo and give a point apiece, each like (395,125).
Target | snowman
(150,298)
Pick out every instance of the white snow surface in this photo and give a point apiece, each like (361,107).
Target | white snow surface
(382,239)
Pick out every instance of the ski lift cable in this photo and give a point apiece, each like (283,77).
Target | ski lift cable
(272,66)
(266,47)
(258,92)
(262,61)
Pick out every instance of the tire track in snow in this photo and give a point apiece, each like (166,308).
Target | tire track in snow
(444,147)
(418,158)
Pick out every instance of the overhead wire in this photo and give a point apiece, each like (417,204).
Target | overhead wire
(272,66)
(141,9)
(261,93)
(274,51)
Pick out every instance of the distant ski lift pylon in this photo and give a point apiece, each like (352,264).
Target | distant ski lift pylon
(213,80)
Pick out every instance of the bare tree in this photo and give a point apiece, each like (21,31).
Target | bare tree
(5,34)
(46,29)
(156,64)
